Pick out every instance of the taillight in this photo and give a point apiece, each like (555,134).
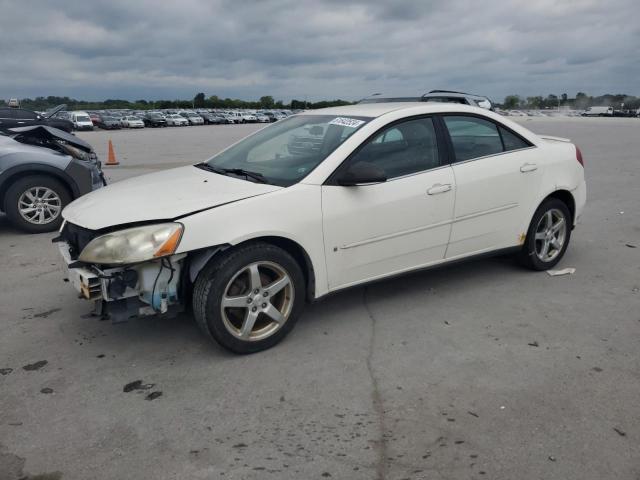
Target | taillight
(579,156)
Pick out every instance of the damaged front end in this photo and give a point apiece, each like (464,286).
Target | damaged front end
(126,273)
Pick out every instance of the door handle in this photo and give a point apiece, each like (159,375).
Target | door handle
(528,167)
(439,188)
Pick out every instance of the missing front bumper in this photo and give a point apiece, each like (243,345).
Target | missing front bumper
(120,293)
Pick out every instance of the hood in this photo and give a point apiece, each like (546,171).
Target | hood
(44,132)
(50,113)
(159,196)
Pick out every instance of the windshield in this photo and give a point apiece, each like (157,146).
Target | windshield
(285,152)
(82,118)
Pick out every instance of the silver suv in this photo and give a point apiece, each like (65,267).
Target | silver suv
(444,96)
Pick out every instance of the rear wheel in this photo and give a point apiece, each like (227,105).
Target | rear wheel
(35,203)
(548,236)
(249,299)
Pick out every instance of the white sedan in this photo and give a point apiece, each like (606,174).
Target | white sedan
(316,203)
(177,120)
(132,122)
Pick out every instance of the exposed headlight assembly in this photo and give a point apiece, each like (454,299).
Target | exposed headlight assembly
(133,245)
(75,152)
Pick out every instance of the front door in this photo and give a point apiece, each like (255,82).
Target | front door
(371,231)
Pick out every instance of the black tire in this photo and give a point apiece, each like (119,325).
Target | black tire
(212,281)
(528,256)
(15,191)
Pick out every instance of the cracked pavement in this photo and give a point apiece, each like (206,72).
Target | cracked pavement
(433,375)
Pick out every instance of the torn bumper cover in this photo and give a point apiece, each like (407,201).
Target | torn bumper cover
(123,292)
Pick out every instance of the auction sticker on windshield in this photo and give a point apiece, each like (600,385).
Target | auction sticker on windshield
(346,122)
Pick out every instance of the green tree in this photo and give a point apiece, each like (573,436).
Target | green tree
(267,101)
(511,101)
(198,100)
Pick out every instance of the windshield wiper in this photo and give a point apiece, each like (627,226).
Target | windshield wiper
(258,177)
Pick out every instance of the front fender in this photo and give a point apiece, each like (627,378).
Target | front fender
(293,213)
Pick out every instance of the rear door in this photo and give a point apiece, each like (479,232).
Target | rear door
(375,230)
(497,180)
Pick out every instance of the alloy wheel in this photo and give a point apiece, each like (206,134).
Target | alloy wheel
(550,236)
(39,205)
(257,301)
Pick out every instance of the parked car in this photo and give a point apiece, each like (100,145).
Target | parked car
(19,117)
(133,122)
(95,118)
(154,120)
(193,118)
(248,117)
(229,119)
(211,118)
(262,118)
(42,169)
(236,117)
(598,112)
(271,116)
(251,234)
(175,120)
(81,121)
(443,96)
(109,123)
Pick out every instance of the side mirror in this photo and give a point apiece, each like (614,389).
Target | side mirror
(362,173)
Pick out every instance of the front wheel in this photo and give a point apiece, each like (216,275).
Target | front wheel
(35,203)
(250,298)
(548,236)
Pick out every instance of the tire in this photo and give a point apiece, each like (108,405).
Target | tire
(530,255)
(59,199)
(232,270)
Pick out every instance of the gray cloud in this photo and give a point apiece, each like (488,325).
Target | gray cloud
(320,49)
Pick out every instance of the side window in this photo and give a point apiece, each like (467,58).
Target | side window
(511,141)
(473,137)
(402,149)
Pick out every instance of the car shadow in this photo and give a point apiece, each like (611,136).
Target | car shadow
(7,229)
(181,335)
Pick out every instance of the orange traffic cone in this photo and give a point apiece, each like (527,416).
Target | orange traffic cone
(111,159)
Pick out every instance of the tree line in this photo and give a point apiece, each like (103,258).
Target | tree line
(580,102)
(199,101)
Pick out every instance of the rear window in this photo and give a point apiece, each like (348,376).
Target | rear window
(474,137)
(511,141)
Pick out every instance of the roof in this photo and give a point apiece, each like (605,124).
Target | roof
(378,109)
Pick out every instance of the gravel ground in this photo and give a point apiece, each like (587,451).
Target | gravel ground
(480,370)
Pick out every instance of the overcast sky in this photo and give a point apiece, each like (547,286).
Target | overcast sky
(320,49)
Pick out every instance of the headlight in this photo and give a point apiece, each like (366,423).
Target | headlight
(133,245)
(75,152)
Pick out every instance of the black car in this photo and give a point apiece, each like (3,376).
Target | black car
(154,120)
(19,117)
(42,169)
